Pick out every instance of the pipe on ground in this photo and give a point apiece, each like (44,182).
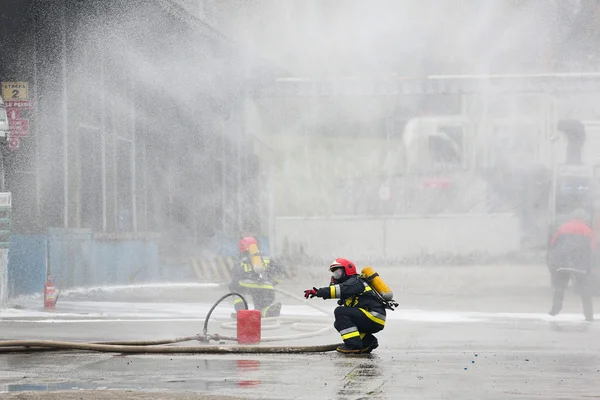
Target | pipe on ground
(158,346)
(112,348)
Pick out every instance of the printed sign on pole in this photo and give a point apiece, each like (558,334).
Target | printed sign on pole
(12,91)
(10,104)
(14,114)
(16,99)
(19,127)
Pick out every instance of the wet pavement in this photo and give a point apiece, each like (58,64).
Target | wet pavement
(492,359)
(487,351)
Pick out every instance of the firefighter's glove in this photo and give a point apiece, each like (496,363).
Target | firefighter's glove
(310,293)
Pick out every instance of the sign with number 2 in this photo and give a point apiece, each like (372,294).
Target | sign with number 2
(15,91)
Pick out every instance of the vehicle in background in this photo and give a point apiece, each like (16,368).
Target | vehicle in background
(541,170)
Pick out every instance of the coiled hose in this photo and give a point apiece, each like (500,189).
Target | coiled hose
(274,323)
(158,346)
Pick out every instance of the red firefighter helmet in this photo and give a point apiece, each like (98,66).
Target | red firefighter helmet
(245,243)
(349,267)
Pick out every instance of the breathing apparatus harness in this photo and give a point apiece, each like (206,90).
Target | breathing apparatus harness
(387,304)
(366,281)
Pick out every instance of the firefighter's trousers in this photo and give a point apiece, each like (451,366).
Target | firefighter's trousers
(262,293)
(356,325)
(582,281)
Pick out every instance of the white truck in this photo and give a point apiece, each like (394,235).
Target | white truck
(494,163)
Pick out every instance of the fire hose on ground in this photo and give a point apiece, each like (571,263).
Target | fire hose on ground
(159,346)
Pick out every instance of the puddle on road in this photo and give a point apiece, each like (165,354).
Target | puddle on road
(204,375)
(342,377)
(33,387)
(196,385)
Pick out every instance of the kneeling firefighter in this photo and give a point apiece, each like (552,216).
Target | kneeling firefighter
(255,275)
(361,311)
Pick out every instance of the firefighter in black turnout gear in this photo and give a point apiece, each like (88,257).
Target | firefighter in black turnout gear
(361,312)
(256,276)
(571,252)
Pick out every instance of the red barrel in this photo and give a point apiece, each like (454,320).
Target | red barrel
(248,326)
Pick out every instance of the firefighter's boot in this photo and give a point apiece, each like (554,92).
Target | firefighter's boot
(346,349)
(370,343)
(588,308)
(351,345)
(272,311)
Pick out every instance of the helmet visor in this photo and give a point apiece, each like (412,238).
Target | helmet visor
(335,265)
(337,273)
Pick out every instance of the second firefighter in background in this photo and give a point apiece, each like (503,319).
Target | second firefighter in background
(361,311)
(571,251)
(255,275)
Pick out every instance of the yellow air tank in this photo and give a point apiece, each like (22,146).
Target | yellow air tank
(377,283)
(256,258)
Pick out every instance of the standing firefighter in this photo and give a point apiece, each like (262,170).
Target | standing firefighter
(570,254)
(255,275)
(362,309)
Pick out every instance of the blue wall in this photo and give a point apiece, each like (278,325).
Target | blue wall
(125,262)
(79,260)
(26,264)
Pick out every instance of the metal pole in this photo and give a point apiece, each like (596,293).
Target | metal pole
(145,177)
(115,171)
(115,179)
(223,179)
(103,135)
(555,140)
(132,156)
(38,206)
(271,204)
(65,119)
(239,191)
(194,218)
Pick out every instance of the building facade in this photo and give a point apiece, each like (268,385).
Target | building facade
(137,124)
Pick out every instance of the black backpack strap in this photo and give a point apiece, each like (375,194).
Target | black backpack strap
(370,279)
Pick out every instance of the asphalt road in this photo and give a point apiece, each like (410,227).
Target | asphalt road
(499,347)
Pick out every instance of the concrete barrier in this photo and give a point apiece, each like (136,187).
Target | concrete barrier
(212,268)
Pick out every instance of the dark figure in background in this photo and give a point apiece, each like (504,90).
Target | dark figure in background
(360,314)
(256,276)
(570,253)
(574,131)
